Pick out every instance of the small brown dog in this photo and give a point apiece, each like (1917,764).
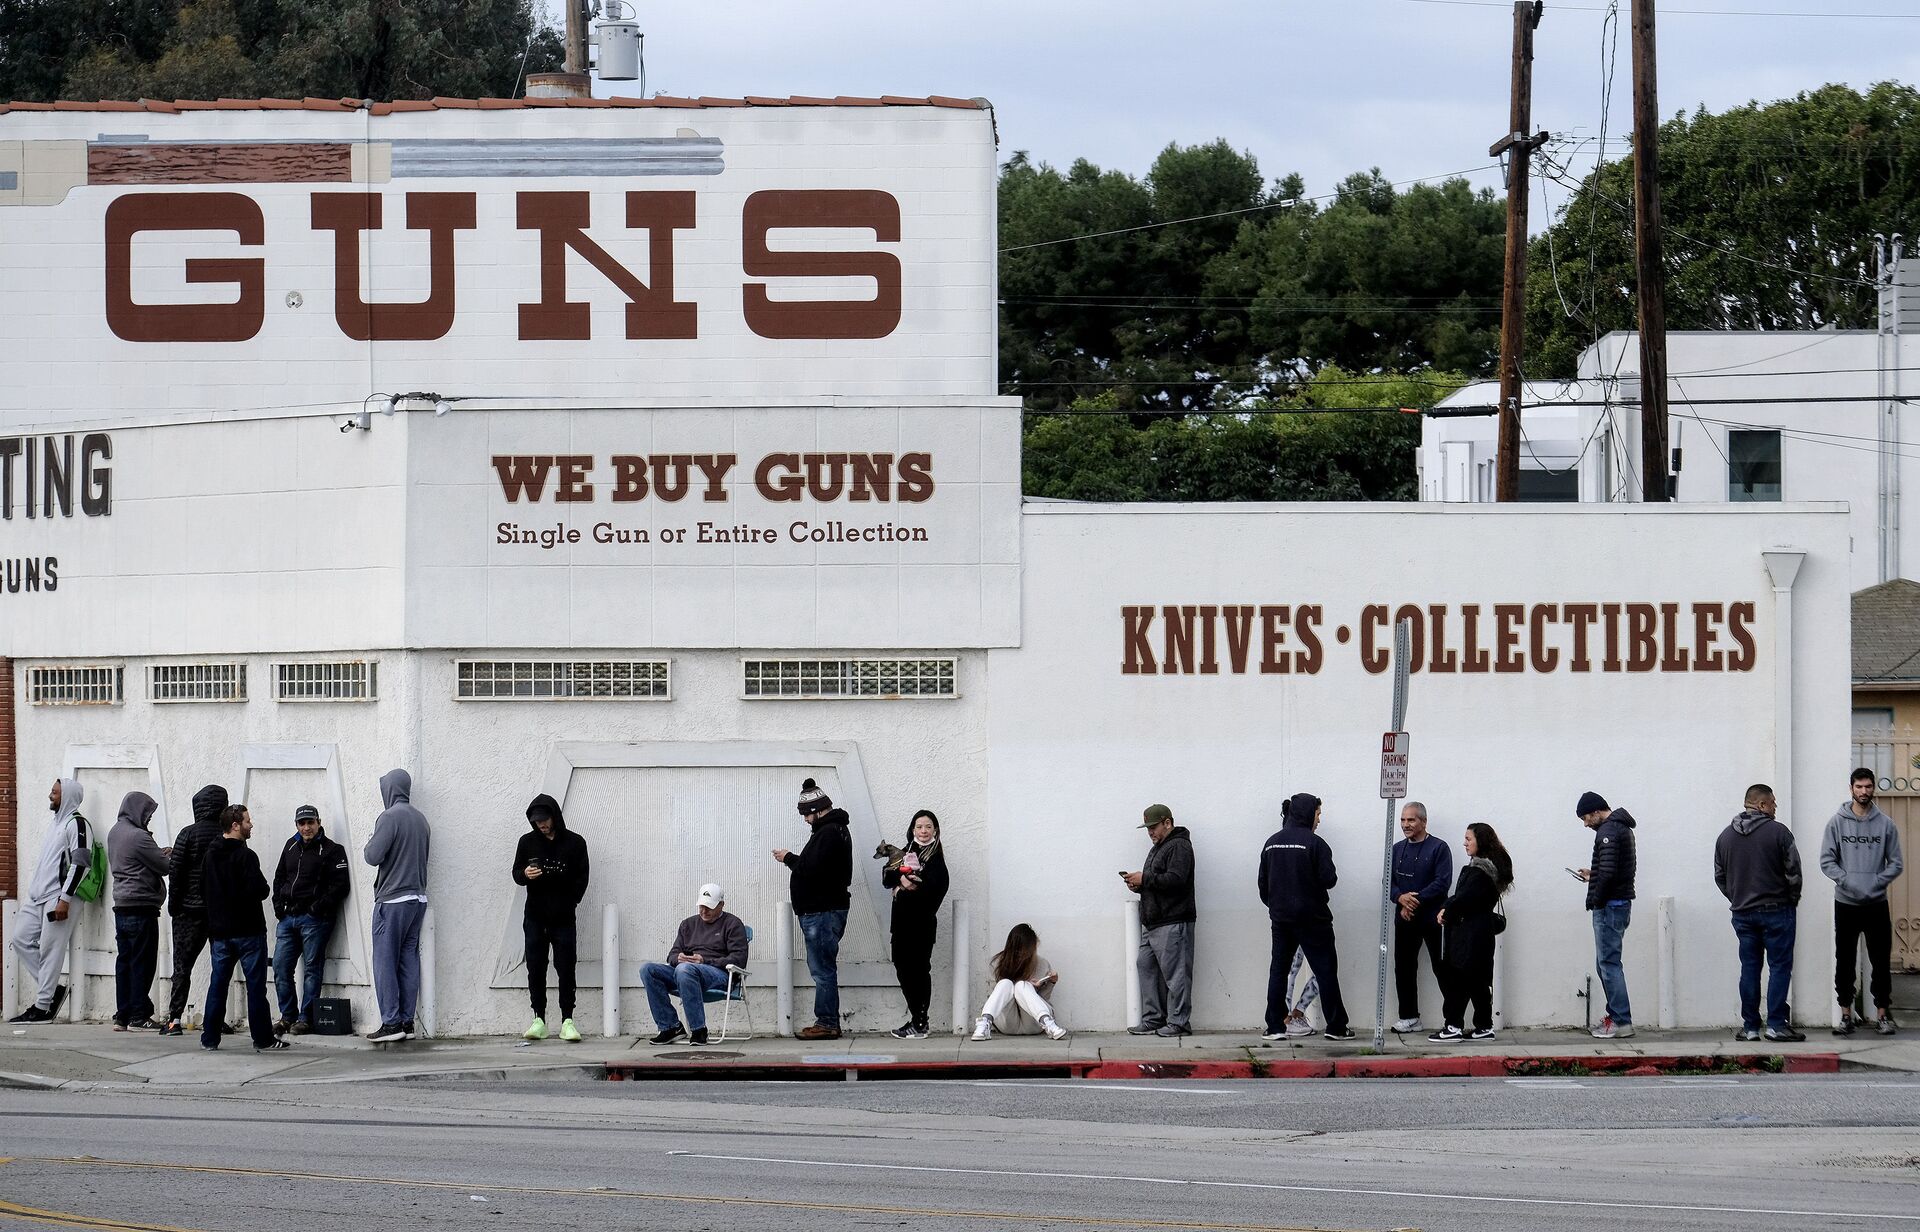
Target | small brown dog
(891,854)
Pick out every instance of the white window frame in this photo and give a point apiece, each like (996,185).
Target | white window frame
(203,676)
(664,667)
(115,682)
(370,668)
(851,666)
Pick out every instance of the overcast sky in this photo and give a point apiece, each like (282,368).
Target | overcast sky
(1417,88)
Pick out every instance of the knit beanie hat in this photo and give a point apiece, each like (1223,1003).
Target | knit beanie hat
(1590,802)
(812,799)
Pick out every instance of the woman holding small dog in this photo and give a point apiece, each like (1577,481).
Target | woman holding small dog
(918,879)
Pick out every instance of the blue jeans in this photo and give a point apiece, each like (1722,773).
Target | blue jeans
(250,954)
(1769,932)
(690,982)
(303,939)
(396,959)
(822,930)
(136,952)
(1609,933)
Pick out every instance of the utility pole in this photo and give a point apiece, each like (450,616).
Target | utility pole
(1651,260)
(1517,148)
(576,36)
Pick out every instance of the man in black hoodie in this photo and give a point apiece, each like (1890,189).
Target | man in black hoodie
(1610,901)
(1296,871)
(1757,868)
(1165,958)
(185,902)
(551,862)
(822,871)
(233,889)
(309,885)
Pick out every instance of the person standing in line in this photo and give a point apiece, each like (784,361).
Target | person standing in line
(822,871)
(1296,873)
(551,862)
(1472,923)
(233,887)
(1422,870)
(398,849)
(1167,915)
(139,866)
(1757,867)
(1609,879)
(310,884)
(47,916)
(1022,980)
(1860,854)
(184,901)
(919,884)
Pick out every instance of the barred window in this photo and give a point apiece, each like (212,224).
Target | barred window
(197,682)
(564,680)
(94,684)
(847,678)
(351,680)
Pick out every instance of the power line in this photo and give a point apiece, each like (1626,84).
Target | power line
(1593,8)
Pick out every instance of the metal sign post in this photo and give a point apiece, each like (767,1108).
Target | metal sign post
(1393,786)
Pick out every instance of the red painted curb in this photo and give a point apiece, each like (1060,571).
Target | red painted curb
(1813,1063)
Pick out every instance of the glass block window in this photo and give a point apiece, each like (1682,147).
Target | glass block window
(539,680)
(197,682)
(88,685)
(352,680)
(847,678)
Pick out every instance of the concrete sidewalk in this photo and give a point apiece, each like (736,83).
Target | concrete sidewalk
(86,1056)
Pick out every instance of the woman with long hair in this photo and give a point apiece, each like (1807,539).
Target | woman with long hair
(1469,924)
(919,884)
(1021,980)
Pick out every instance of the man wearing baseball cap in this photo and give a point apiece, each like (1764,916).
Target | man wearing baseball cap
(1165,960)
(309,885)
(709,941)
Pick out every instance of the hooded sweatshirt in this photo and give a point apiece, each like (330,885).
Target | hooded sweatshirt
(1166,881)
(1755,863)
(562,861)
(1861,855)
(398,847)
(1296,871)
(231,881)
(311,878)
(65,852)
(823,869)
(139,869)
(190,849)
(1614,862)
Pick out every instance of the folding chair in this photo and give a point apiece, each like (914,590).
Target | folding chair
(735,991)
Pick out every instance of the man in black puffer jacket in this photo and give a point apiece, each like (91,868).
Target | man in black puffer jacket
(551,862)
(822,871)
(1610,900)
(187,901)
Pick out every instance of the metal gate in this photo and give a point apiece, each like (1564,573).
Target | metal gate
(1894,758)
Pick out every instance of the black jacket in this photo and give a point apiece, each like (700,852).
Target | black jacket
(311,878)
(190,850)
(1166,882)
(823,869)
(1468,937)
(1613,864)
(231,879)
(1296,871)
(562,860)
(913,910)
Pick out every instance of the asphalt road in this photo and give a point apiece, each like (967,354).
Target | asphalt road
(1752,1155)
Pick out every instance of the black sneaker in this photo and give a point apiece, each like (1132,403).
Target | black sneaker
(227,1028)
(172,1027)
(1446,1035)
(668,1036)
(1783,1035)
(1145,1028)
(275,1046)
(909,1030)
(145,1024)
(1344,1033)
(406,1028)
(387,1033)
(206,1047)
(1483,1033)
(698,1038)
(1885,1024)
(1847,1023)
(32,1013)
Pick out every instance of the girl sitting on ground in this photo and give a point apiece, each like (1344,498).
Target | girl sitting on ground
(1022,980)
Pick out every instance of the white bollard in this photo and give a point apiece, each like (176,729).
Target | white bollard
(424,1012)
(1499,987)
(1130,936)
(9,961)
(1669,997)
(783,969)
(610,970)
(962,967)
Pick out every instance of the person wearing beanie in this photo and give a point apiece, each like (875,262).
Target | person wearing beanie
(309,885)
(1296,872)
(1609,879)
(822,871)
(551,862)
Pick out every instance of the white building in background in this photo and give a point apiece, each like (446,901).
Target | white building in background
(695,483)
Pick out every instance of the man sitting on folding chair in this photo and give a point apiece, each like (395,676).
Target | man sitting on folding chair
(708,953)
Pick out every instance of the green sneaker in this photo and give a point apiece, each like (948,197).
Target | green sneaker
(538,1031)
(569,1032)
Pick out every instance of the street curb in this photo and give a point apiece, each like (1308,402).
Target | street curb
(824,1069)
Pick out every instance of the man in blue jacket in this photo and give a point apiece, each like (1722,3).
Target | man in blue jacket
(1296,871)
(1422,874)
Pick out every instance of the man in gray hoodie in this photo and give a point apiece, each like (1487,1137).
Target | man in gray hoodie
(47,916)
(1861,854)
(139,867)
(1757,867)
(398,849)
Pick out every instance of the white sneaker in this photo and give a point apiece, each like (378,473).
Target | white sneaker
(982,1028)
(1053,1029)
(1299,1028)
(1407,1024)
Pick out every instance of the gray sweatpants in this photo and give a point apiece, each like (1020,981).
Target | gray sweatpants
(43,946)
(1165,963)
